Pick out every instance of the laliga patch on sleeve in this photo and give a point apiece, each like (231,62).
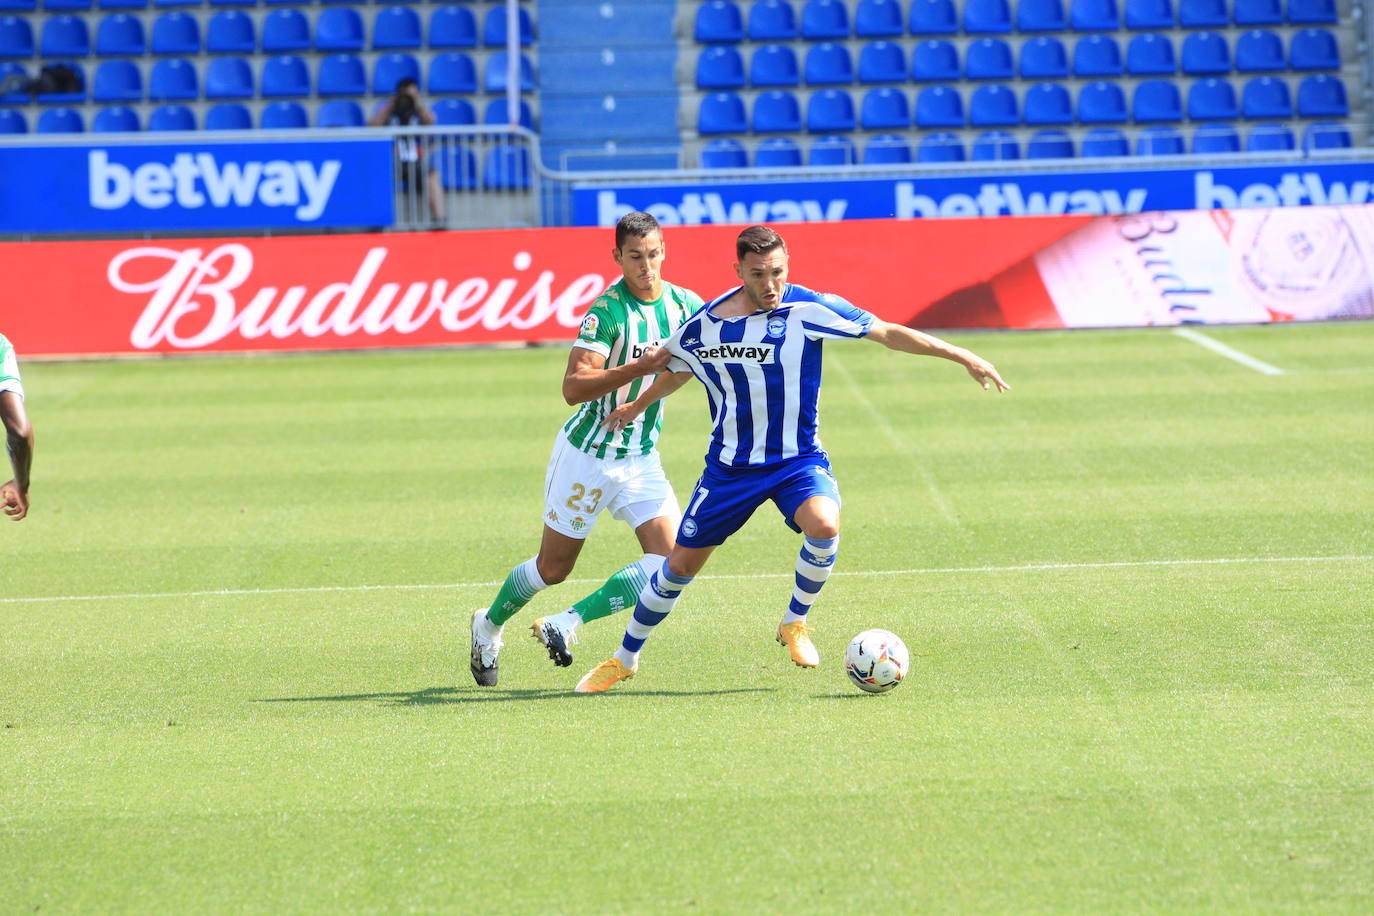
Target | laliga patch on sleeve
(589,326)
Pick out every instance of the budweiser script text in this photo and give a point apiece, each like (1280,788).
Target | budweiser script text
(195,302)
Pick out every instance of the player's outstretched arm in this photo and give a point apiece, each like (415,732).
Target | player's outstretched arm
(664,385)
(587,377)
(908,340)
(14,495)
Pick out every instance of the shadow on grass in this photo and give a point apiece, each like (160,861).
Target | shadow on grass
(440,696)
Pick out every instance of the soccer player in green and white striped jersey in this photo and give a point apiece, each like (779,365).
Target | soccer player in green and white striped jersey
(615,356)
(14,494)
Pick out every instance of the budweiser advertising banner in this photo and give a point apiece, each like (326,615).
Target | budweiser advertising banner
(355,291)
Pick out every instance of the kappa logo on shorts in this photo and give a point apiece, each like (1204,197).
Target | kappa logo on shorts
(777,327)
(689,527)
(552,516)
(589,326)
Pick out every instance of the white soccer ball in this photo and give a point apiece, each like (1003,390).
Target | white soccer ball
(876,660)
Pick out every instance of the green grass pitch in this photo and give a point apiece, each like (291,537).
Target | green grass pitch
(1137,590)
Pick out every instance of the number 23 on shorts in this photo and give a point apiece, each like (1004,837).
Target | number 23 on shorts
(584,500)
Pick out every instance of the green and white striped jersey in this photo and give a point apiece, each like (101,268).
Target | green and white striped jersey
(9,368)
(621,327)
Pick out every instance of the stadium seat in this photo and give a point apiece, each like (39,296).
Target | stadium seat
(1325,135)
(453,111)
(772,20)
(173,78)
(1258,51)
(988,59)
(1102,142)
(1150,55)
(396,28)
(777,153)
(13,122)
(230,32)
(878,18)
(832,150)
(1314,49)
(995,146)
(1270,138)
(1049,144)
(1203,14)
(339,113)
(1097,55)
(495,73)
(233,2)
(720,67)
(933,17)
(116,119)
(341,74)
(284,116)
(1156,102)
(1101,102)
(774,65)
(983,17)
(65,36)
(1205,53)
(339,28)
(719,20)
(935,61)
(285,30)
(16,37)
(60,121)
(993,105)
(19,93)
(724,153)
(882,62)
(884,108)
(829,110)
(450,72)
(1040,16)
(721,113)
(119,34)
(52,6)
(828,63)
(1159,141)
(1322,96)
(939,106)
(494,27)
(776,111)
(506,168)
(1258,12)
(228,78)
(285,75)
(458,168)
(228,116)
(390,69)
(170,3)
(1094,16)
(941,146)
(824,20)
(452,26)
(497,112)
(176,33)
(1047,103)
(1043,57)
(1266,97)
(887,149)
(117,81)
(1149,14)
(1216,138)
(171,117)
(1313,12)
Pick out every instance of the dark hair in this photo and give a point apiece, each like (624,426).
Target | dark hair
(405,83)
(636,223)
(759,240)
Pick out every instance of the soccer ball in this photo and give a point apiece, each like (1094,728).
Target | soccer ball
(876,660)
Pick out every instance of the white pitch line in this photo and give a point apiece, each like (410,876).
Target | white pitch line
(1029,567)
(1230,353)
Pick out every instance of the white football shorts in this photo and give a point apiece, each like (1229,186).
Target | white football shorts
(578,487)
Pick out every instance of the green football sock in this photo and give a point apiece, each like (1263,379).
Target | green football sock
(618,593)
(520,586)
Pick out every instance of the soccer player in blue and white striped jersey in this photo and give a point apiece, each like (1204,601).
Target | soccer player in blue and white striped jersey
(757,350)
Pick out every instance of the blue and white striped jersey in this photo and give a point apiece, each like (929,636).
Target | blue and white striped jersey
(762,372)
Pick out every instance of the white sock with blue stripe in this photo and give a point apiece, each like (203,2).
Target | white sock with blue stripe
(814,563)
(656,599)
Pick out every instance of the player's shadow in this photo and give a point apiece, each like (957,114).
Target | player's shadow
(444,696)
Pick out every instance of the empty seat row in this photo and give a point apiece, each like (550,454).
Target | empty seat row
(990,105)
(29,6)
(827,20)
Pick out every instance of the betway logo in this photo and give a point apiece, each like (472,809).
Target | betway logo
(195,180)
(694,209)
(639,349)
(1291,190)
(762,354)
(1008,198)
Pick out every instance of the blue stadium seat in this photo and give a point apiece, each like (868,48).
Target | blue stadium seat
(285,75)
(1150,55)
(884,108)
(339,113)
(1040,16)
(1322,96)
(396,28)
(173,78)
(65,36)
(494,73)
(719,20)
(776,111)
(1313,12)
(452,71)
(939,106)
(1101,102)
(60,121)
(233,2)
(19,96)
(995,146)
(1258,51)
(16,37)
(721,113)
(176,33)
(230,32)
(454,111)
(170,3)
(390,69)
(1094,16)
(228,116)
(452,26)
(1097,55)
(777,153)
(1258,12)
(993,105)
(882,62)
(1149,14)
(285,30)
(341,74)
(720,67)
(774,65)
(117,81)
(1156,101)
(878,18)
(18,6)
(1203,14)
(52,6)
(1043,57)
(935,61)
(933,17)
(123,4)
(1314,49)
(120,34)
(1216,138)
(1269,138)
(984,17)
(887,149)
(823,20)
(724,153)
(1266,97)
(832,150)
(228,78)
(828,63)
(1159,141)
(458,168)
(1212,99)
(941,146)
(1325,135)
(1205,53)
(1047,103)
(171,117)
(988,59)
(116,119)
(494,27)
(1102,142)
(829,110)
(506,168)
(497,112)
(13,122)
(772,20)
(1049,144)
(284,116)
(339,28)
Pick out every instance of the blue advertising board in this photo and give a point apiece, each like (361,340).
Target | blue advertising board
(1088,192)
(195,185)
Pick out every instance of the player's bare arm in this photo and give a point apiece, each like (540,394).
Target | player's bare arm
(664,385)
(908,340)
(14,494)
(587,377)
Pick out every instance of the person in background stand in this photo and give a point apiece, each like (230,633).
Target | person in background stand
(405,109)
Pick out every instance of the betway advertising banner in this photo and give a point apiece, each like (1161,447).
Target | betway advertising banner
(201,185)
(404,290)
(1036,194)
